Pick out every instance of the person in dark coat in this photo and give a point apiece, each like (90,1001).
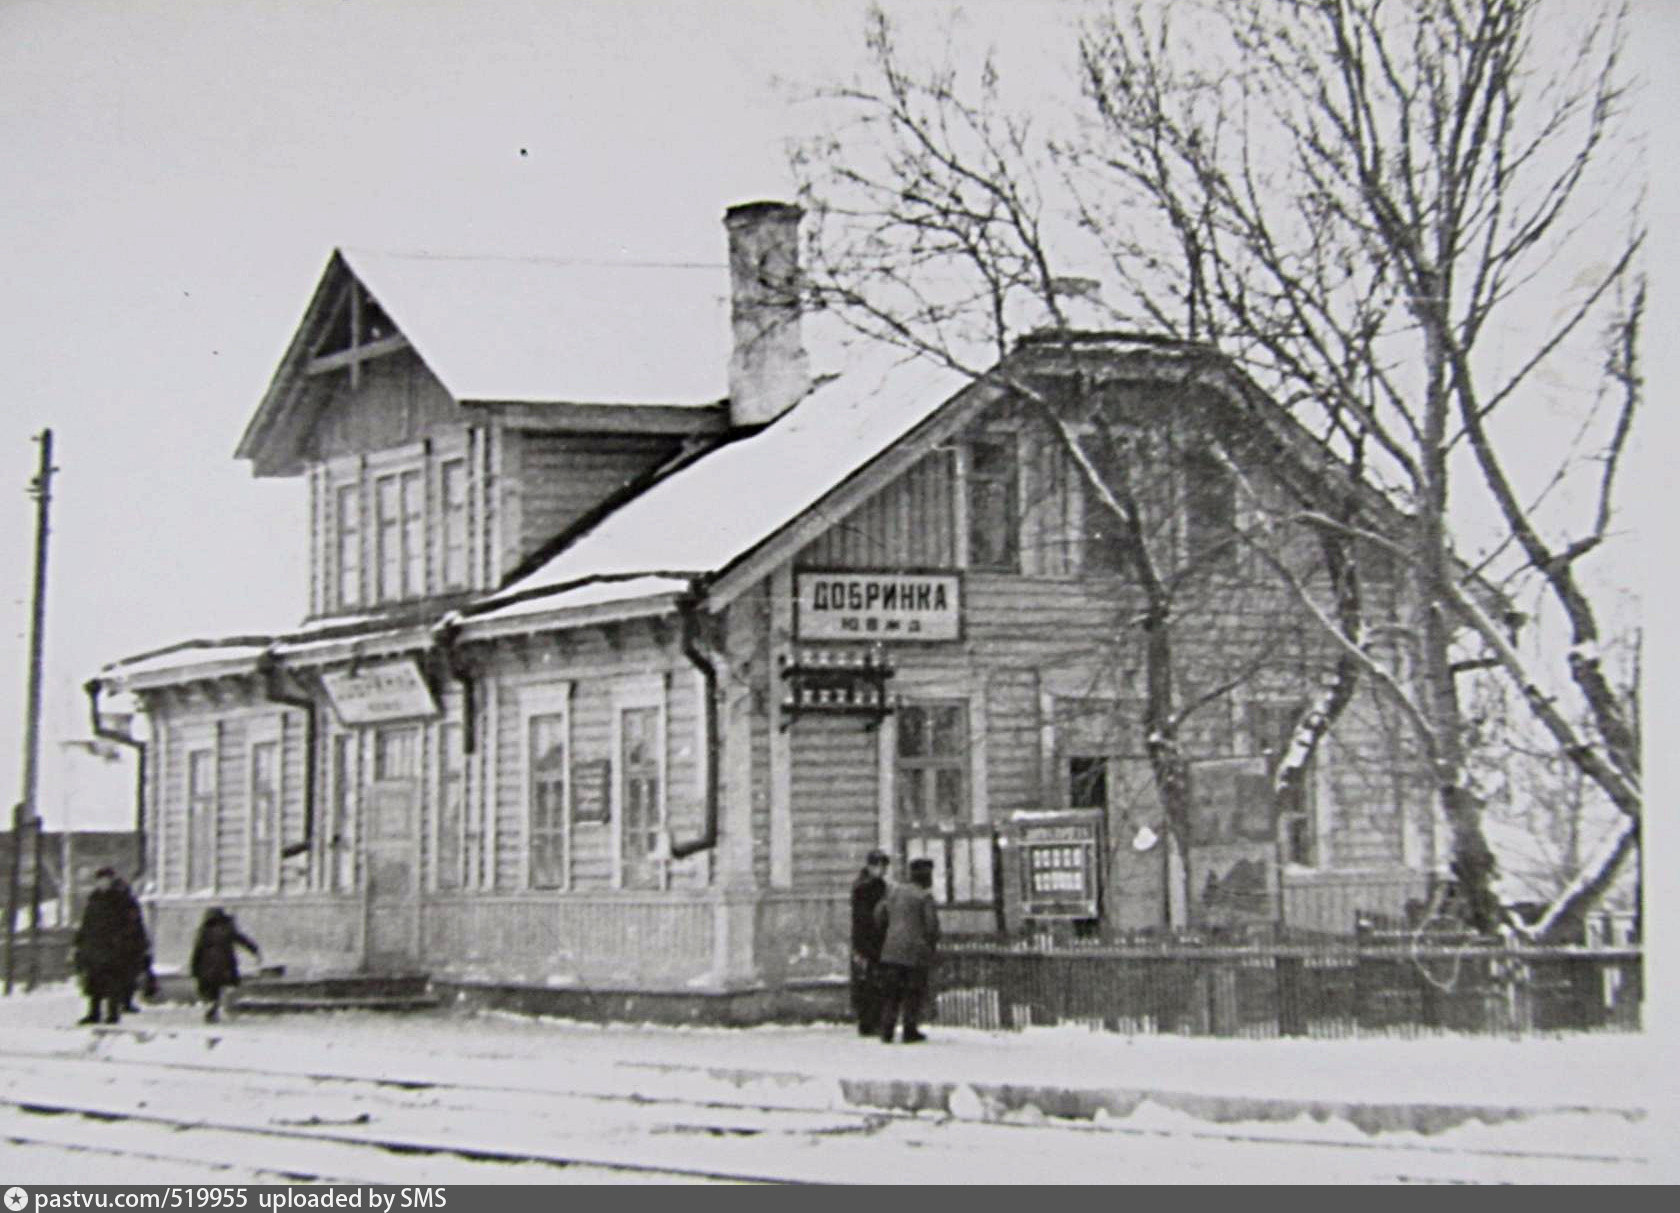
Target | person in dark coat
(867,891)
(215,965)
(911,923)
(109,948)
(141,976)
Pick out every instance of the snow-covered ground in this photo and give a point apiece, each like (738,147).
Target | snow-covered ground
(1584,1093)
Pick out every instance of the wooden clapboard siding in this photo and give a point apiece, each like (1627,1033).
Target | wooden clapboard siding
(594,667)
(183,737)
(685,796)
(316,932)
(614,942)
(562,477)
(835,768)
(1367,777)
(907,524)
(397,401)
(1012,742)
(508,808)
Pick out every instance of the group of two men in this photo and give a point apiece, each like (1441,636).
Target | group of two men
(895,932)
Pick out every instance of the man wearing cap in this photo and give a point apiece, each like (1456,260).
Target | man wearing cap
(867,891)
(110,947)
(911,922)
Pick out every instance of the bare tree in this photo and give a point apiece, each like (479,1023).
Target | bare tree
(1374,208)
(934,239)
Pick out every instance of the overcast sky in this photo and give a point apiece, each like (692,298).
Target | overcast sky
(173,177)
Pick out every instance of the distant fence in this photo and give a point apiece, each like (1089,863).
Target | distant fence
(1289,990)
(45,957)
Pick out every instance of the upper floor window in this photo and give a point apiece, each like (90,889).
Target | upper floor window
(347,516)
(1210,512)
(397,530)
(993,510)
(401,535)
(1105,537)
(453,483)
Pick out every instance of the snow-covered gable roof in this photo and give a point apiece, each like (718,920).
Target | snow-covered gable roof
(703,518)
(534,330)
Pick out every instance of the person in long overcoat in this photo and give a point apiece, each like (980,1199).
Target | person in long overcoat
(141,975)
(109,948)
(911,922)
(867,891)
(215,964)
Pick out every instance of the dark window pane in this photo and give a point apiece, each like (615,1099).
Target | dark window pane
(1087,783)
(910,796)
(912,732)
(992,521)
(947,738)
(948,794)
(1210,508)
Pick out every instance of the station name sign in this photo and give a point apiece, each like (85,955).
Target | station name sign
(878,606)
(392,691)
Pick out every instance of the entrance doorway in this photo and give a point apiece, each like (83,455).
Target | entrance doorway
(392,803)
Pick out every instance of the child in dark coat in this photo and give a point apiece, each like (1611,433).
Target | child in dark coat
(215,966)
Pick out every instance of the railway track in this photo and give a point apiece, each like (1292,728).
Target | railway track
(320,1127)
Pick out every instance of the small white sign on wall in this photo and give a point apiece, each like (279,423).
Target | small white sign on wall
(394,690)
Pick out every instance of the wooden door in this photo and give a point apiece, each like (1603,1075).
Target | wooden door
(391,837)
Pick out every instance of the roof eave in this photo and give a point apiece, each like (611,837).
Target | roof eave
(654,418)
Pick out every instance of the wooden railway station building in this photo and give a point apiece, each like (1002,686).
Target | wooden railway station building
(632,626)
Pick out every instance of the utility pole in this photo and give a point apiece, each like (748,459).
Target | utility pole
(24,817)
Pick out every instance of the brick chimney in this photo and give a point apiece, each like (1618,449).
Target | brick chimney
(769,370)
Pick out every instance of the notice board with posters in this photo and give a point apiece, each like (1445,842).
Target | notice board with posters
(1060,854)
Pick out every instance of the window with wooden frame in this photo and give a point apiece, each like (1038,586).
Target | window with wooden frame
(265,815)
(452,792)
(452,486)
(994,522)
(413,535)
(932,776)
(201,820)
(1087,781)
(545,766)
(641,796)
(1104,542)
(347,521)
(400,515)
(1210,512)
(1089,733)
(1269,728)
